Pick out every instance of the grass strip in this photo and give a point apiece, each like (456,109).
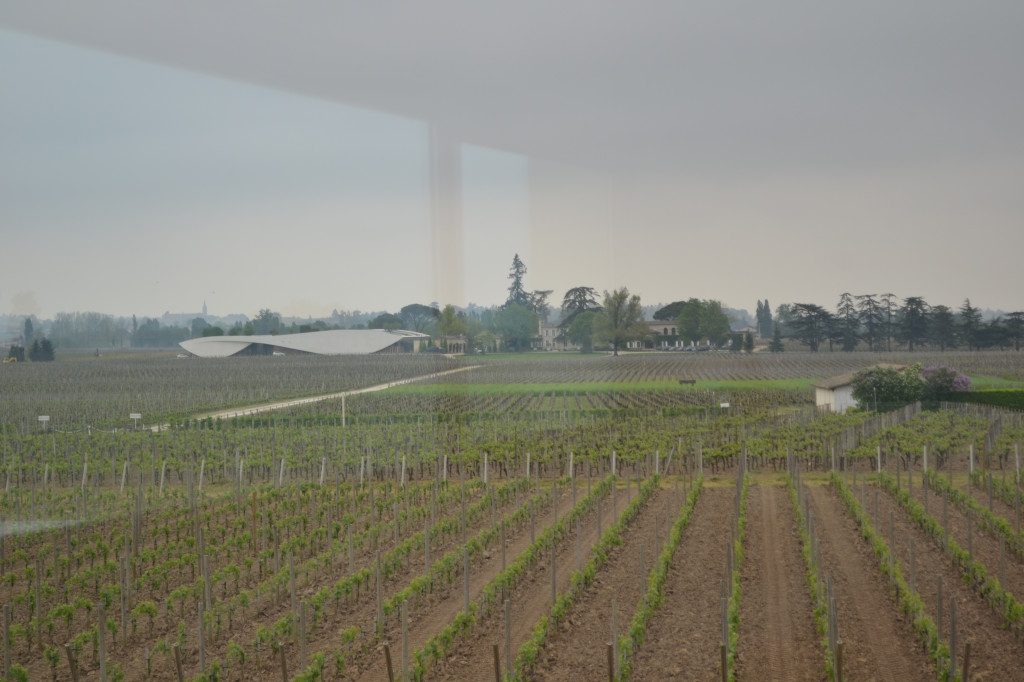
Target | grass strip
(440,644)
(581,579)
(814,583)
(630,642)
(909,600)
(973,571)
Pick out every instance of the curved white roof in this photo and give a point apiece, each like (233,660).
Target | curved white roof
(335,342)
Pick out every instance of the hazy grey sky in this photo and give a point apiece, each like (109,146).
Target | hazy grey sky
(792,151)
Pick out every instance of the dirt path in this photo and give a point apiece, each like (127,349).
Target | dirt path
(995,654)
(878,643)
(282,404)
(472,658)
(574,651)
(684,635)
(777,636)
(431,616)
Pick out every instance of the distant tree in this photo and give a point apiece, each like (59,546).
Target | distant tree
(889,305)
(28,332)
(579,299)
(871,318)
(581,330)
(970,324)
(942,327)
(1015,329)
(913,322)
(810,324)
(671,312)
(198,326)
(748,342)
(736,341)
(783,319)
(689,321)
(622,319)
(517,324)
(418,317)
(213,331)
(517,294)
(41,350)
(17,353)
(539,303)
(764,319)
(776,345)
(266,322)
(451,323)
(486,341)
(385,321)
(714,324)
(887,386)
(992,335)
(847,322)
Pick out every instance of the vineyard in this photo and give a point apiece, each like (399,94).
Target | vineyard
(438,532)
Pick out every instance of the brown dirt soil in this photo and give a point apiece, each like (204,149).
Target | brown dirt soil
(684,636)
(777,636)
(430,616)
(879,643)
(575,650)
(472,658)
(985,545)
(995,653)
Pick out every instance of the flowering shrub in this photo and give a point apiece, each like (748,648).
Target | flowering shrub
(939,382)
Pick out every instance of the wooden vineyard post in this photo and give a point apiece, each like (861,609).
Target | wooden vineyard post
(965,673)
(405,643)
(725,663)
(202,639)
(554,576)
(284,662)
(465,579)
(839,661)
(6,636)
(387,662)
(952,634)
(73,664)
(101,637)
(508,639)
(497,663)
(938,608)
(177,663)
(614,635)
(611,663)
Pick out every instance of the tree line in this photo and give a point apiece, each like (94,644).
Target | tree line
(886,323)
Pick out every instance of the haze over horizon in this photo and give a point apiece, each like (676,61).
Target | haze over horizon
(868,151)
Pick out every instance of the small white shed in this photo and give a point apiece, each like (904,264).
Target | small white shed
(835,394)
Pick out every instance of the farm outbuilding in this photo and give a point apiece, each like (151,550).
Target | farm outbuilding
(836,394)
(333,342)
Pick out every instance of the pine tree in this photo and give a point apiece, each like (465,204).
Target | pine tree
(517,293)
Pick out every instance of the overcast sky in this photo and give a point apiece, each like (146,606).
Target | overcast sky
(791,154)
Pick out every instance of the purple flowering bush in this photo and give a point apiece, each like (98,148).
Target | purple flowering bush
(939,382)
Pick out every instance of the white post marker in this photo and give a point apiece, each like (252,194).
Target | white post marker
(925,461)
(571,464)
(971,460)
(323,469)
(402,481)
(362,468)
(202,473)
(878,458)
(44,419)
(614,471)
(527,466)
(485,468)
(444,469)
(657,462)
